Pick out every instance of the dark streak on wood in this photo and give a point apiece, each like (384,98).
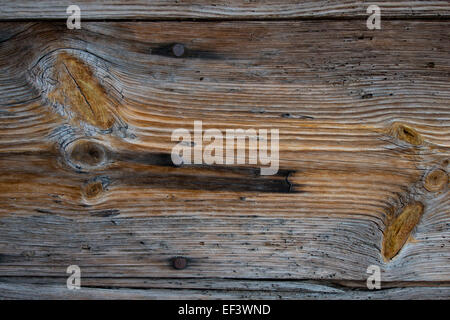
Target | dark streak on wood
(166,50)
(105,213)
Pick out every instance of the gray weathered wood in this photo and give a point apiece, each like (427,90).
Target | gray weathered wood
(224,9)
(51,288)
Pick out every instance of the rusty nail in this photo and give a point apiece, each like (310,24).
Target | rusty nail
(179,263)
(178,50)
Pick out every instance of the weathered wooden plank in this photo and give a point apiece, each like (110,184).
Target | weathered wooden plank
(219,246)
(85,128)
(54,288)
(224,9)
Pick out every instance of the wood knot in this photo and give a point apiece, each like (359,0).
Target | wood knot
(436,180)
(70,85)
(86,154)
(399,229)
(407,134)
(93,189)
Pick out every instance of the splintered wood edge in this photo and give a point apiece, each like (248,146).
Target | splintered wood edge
(399,229)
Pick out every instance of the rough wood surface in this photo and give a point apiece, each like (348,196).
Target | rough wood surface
(85,173)
(222,9)
(169,288)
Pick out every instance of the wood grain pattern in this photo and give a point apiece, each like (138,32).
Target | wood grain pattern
(198,289)
(222,9)
(86,177)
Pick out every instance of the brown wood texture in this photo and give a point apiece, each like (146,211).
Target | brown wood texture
(86,178)
(222,9)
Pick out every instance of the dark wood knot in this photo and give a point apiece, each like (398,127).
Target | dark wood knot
(86,154)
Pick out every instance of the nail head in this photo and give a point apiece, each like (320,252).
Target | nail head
(179,263)
(178,50)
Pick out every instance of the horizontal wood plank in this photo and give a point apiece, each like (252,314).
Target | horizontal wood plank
(234,9)
(200,289)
